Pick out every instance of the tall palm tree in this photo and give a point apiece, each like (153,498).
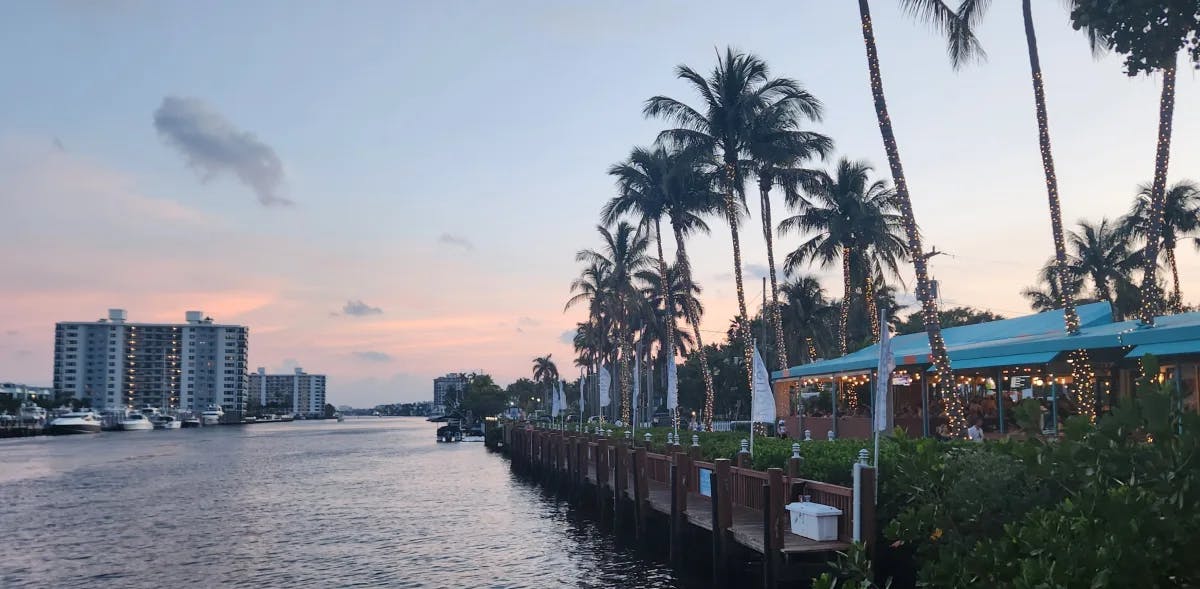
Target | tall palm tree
(545,371)
(624,254)
(778,150)
(735,93)
(1046,296)
(690,197)
(670,297)
(852,219)
(657,182)
(962,45)
(1180,219)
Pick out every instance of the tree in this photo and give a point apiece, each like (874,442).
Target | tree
(522,392)
(484,397)
(1101,254)
(952,317)
(329,411)
(623,255)
(545,372)
(778,149)
(1150,33)
(962,46)
(852,219)
(737,91)
(1181,218)
(808,315)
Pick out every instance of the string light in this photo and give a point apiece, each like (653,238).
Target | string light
(693,317)
(872,309)
(773,312)
(845,317)
(1150,292)
(956,421)
(743,323)
(812,349)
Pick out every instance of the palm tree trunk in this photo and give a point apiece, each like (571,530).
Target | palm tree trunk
(844,324)
(1081,372)
(693,317)
(872,307)
(668,295)
(743,317)
(1177,292)
(937,346)
(1151,297)
(773,312)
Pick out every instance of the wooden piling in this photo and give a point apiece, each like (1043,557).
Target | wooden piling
(722,518)
(620,477)
(641,492)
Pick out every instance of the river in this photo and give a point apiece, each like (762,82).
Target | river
(371,502)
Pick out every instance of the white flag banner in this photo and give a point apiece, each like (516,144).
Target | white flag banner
(762,400)
(562,397)
(605,381)
(582,388)
(555,408)
(672,383)
(887,363)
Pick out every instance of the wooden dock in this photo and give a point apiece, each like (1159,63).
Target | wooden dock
(631,485)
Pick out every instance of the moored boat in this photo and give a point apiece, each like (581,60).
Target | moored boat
(136,421)
(81,422)
(212,415)
(190,420)
(163,421)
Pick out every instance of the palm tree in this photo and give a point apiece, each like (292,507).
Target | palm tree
(852,219)
(778,149)
(657,182)
(690,197)
(545,372)
(962,46)
(675,295)
(1046,296)
(623,254)
(1180,219)
(735,93)
(1102,254)
(808,316)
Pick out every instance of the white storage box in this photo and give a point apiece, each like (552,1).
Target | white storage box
(814,521)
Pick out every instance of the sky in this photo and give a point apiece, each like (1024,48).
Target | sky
(388,191)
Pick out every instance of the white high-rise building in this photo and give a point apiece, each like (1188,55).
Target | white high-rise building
(186,366)
(452,385)
(299,392)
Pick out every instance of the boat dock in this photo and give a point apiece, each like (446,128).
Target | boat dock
(637,490)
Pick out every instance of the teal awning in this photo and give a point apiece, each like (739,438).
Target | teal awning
(1166,349)
(997,361)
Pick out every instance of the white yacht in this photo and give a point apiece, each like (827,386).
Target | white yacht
(136,421)
(31,413)
(212,415)
(82,422)
(164,421)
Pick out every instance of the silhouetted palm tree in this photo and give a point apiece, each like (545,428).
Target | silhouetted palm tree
(624,255)
(735,93)
(778,150)
(1101,254)
(1180,219)
(808,317)
(545,371)
(852,219)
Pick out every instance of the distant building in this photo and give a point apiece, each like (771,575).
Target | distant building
(298,392)
(452,385)
(116,364)
(23,392)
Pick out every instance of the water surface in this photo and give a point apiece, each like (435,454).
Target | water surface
(371,502)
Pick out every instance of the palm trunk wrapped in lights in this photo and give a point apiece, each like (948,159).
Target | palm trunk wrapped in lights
(1150,292)
(844,320)
(1083,380)
(1176,303)
(872,306)
(693,317)
(626,377)
(742,319)
(937,346)
(764,187)
(812,349)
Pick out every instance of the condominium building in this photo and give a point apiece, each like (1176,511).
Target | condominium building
(117,364)
(298,392)
(452,385)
